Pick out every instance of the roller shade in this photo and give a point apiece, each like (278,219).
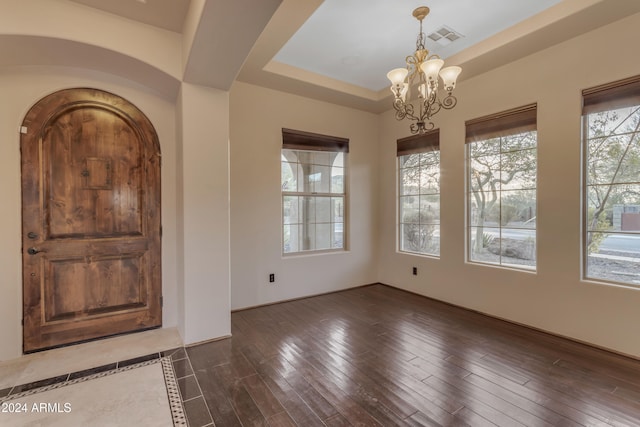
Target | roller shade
(506,123)
(419,143)
(299,140)
(611,96)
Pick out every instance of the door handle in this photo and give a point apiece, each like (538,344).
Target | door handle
(33,251)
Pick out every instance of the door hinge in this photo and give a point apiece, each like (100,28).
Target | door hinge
(161,301)
(22,322)
(160,231)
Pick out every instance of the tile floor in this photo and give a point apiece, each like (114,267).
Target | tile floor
(82,376)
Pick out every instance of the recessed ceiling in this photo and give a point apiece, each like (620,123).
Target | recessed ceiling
(339,51)
(359,41)
(167,14)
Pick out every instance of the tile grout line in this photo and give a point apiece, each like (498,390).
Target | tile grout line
(199,388)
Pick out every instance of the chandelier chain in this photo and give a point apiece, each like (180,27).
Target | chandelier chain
(420,40)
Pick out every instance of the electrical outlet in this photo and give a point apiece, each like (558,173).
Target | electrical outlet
(272,278)
(415,271)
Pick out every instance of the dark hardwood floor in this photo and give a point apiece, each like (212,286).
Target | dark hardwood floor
(378,356)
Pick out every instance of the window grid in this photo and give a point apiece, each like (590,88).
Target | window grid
(313,201)
(419,203)
(611,197)
(502,206)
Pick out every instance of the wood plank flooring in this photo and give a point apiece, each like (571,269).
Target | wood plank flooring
(378,356)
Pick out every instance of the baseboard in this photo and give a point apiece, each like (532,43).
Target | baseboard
(193,344)
(304,297)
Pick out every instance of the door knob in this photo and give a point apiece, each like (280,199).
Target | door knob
(33,251)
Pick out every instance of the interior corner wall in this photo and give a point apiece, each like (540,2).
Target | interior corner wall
(257,118)
(554,298)
(21,88)
(204,213)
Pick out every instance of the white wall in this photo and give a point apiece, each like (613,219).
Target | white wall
(257,118)
(24,86)
(204,213)
(555,298)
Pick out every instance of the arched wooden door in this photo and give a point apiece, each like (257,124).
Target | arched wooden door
(91,224)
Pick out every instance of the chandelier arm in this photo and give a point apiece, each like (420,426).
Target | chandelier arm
(434,108)
(449,102)
(404,110)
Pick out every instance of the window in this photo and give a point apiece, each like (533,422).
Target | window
(611,174)
(419,194)
(313,192)
(501,185)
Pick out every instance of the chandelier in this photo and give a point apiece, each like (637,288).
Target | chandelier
(421,75)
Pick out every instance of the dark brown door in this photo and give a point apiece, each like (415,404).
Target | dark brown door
(90,219)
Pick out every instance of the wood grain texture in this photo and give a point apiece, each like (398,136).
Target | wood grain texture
(91,213)
(378,356)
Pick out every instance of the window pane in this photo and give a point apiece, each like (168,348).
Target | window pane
(323,236)
(302,171)
(323,211)
(430,158)
(420,238)
(410,161)
(518,209)
(521,141)
(518,247)
(290,238)
(433,241)
(621,269)
(320,158)
(430,179)
(430,209)
(290,210)
(409,181)
(410,209)
(482,148)
(319,179)
(607,203)
(481,209)
(307,210)
(337,208)
(518,170)
(303,156)
(337,236)
(614,257)
(485,173)
(307,237)
(484,244)
(337,180)
(611,122)
(289,178)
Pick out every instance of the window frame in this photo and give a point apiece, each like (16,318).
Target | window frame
(500,125)
(295,141)
(417,144)
(603,98)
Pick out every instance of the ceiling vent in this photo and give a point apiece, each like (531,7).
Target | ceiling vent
(445,36)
